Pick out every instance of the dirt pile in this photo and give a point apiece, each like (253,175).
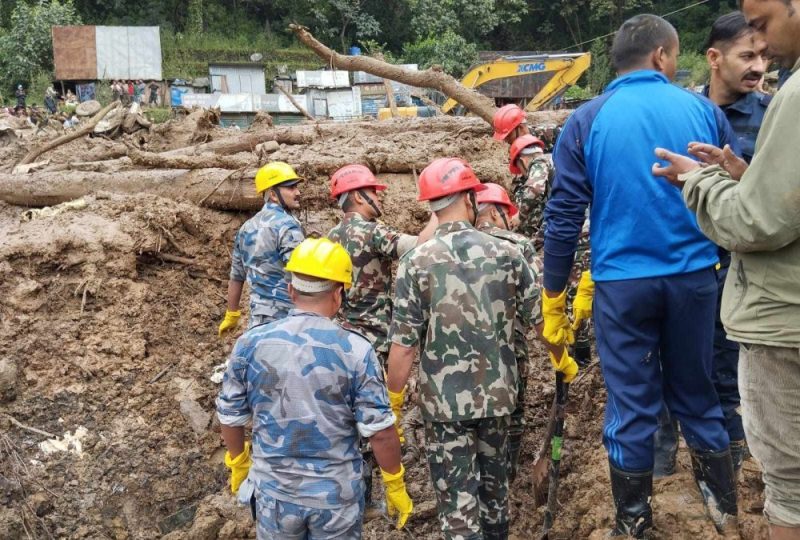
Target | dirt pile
(108,314)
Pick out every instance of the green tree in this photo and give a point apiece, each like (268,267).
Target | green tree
(600,73)
(27,47)
(448,50)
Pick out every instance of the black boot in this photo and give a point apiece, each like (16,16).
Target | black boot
(494,531)
(713,472)
(632,493)
(666,445)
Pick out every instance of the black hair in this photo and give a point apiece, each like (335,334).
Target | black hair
(638,37)
(349,202)
(727,29)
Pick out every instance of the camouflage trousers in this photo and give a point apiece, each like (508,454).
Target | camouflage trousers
(468,462)
(516,430)
(282,520)
(259,319)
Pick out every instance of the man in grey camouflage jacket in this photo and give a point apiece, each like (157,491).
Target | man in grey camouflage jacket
(262,247)
(310,388)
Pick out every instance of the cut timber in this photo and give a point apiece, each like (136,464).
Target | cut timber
(84,129)
(212,161)
(429,78)
(294,102)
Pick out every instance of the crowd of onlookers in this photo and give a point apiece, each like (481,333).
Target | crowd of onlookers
(135,92)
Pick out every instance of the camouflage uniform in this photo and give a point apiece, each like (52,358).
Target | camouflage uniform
(310,388)
(260,252)
(529,193)
(521,351)
(458,296)
(373,247)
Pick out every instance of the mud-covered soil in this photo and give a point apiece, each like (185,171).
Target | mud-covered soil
(108,320)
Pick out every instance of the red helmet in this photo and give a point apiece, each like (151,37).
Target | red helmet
(495,194)
(446,176)
(518,146)
(352,177)
(506,119)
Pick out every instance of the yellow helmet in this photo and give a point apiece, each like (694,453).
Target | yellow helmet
(322,258)
(273,174)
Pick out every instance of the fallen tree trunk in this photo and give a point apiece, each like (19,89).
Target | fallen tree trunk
(213,161)
(430,78)
(84,129)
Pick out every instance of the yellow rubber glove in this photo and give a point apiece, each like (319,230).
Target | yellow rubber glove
(557,329)
(396,400)
(230,321)
(566,365)
(397,499)
(239,466)
(582,305)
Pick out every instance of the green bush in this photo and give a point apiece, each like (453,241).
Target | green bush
(579,92)
(697,65)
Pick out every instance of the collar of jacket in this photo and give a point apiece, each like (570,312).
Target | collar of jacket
(451,227)
(637,77)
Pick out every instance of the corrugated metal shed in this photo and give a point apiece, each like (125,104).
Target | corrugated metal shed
(323,79)
(361,77)
(237,78)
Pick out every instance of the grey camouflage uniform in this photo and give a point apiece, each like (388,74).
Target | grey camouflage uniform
(260,253)
(517,428)
(373,247)
(458,297)
(310,388)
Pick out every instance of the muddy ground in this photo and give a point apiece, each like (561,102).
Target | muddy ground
(108,320)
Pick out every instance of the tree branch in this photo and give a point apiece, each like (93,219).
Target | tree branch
(430,78)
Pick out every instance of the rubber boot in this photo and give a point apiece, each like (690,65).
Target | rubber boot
(632,493)
(582,352)
(739,453)
(666,445)
(713,472)
(494,531)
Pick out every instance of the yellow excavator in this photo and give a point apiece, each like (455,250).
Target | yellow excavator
(532,80)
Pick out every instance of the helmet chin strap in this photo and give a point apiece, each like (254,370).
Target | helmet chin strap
(276,190)
(370,202)
(502,215)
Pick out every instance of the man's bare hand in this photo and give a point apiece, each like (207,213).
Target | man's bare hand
(724,157)
(678,164)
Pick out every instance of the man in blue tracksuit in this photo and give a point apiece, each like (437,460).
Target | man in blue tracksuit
(656,288)
(737,61)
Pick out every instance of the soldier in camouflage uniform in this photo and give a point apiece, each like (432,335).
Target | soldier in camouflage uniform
(262,247)
(373,246)
(531,189)
(310,388)
(457,299)
(495,213)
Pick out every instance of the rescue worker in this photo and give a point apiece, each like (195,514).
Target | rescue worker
(373,247)
(533,174)
(262,247)
(510,123)
(457,299)
(310,388)
(737,64)
(531,185)
(752,211)
(495,215)
(655,281)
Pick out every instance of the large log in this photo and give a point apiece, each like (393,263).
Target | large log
(160,161)
(429,78)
